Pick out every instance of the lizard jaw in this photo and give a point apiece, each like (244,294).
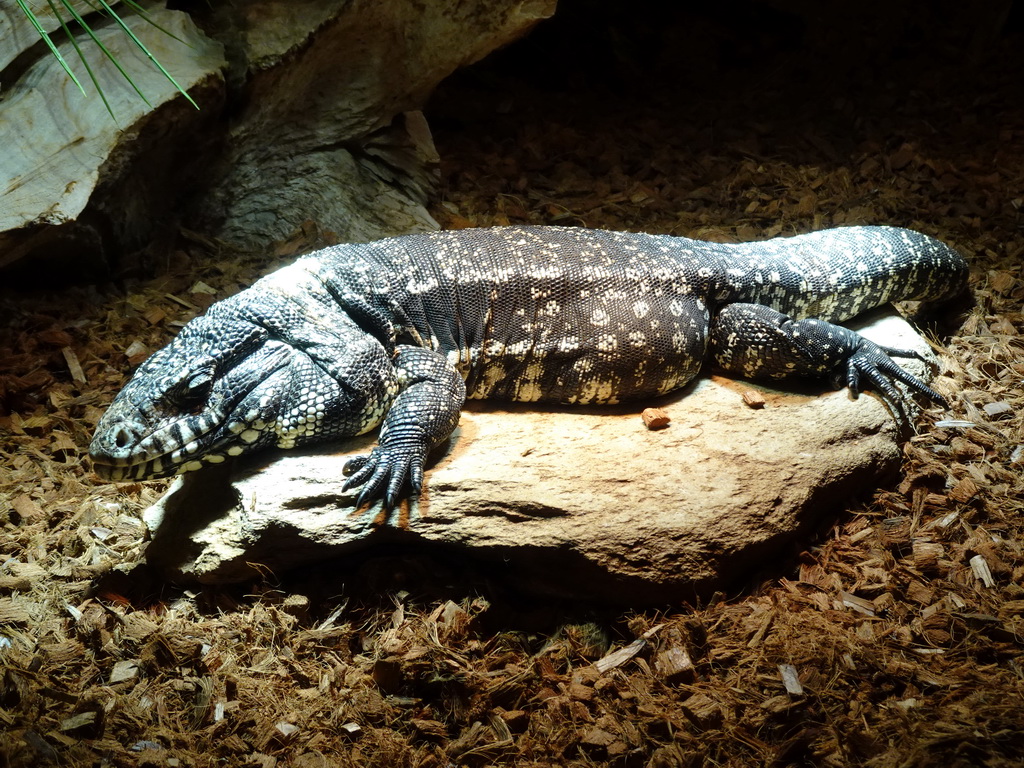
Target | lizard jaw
(124,452)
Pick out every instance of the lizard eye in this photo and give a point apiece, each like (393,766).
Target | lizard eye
(195,389)
(199,382)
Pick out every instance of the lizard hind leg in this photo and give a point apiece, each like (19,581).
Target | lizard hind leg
(758,342)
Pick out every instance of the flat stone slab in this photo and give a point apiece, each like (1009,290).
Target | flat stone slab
(583,503)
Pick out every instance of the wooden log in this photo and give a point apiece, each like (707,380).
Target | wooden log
(17,33)
(328,127)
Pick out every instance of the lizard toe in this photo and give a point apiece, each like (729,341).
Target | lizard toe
(874,364)
(382,474)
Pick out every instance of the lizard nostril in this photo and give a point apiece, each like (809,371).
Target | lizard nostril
(122,438)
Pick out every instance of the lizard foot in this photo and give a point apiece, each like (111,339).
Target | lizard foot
(384,471)
(873,362)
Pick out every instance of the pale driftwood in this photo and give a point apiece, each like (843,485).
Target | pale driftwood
(325,126)
(60,144)
(17,33)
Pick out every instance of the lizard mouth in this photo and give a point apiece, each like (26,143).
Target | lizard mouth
(151,469)
(123,453)
(143,470)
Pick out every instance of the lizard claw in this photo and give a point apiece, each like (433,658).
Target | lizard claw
(873,363)
(383,473)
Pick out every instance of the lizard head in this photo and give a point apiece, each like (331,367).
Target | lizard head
(213,392)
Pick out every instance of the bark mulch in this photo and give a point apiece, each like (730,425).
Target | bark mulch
(896,638)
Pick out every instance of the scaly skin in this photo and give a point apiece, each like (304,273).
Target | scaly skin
(399,332)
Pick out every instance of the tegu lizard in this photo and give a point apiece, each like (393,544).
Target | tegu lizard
(397,333)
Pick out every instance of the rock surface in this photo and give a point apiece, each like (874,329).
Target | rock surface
(330,128)
(587,504)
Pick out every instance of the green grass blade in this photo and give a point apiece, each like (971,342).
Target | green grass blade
(46,38)
(145,50)
(92,4)
(104,8)
(85,62)
(106,52)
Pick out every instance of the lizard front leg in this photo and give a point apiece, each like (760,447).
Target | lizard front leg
(423,415)
(757,342)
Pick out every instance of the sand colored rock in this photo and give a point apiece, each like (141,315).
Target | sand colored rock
(569,502)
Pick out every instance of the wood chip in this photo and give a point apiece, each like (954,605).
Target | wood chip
(137,627)
(861,535)
(28,510)
(124,670)
(13,611)
(966,450)
(597,737)
(78,721)
(352,730)
(200,287)
(387,675)
(182,302)
(32,423)
(791,679)
(995,410)
(10,583)
(753,398)
(429,728)
(954,424)
(154,316)
(1011,608)
(1001,281)
(454,622)
(286,729)
(516,720)
(964,490)
(136,352)
(655,418)
(619,657)
(981,570)
(674,665)
(74,367)
(927,555)
(703,711)
(920,593)
(896,531)
(624,654)
(61,441)
(858,604)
